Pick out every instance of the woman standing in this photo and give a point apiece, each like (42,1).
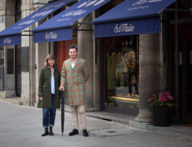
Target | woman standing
(49,95)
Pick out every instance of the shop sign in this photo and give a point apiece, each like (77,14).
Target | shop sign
(74,13)
(141,2)
(42,13)
(125,27)
(51,35)
(88,3)
(27,22)
(7,40)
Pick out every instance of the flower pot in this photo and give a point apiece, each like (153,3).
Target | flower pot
(161,116)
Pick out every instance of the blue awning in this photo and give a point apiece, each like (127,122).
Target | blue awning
(131,17)
(12,35)
(60,26)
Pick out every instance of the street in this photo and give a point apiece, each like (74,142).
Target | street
(21,126)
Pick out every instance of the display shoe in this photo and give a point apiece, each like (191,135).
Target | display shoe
(74,132)
(51,131)
(85,134)
(46,132)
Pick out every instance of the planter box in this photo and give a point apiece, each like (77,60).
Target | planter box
(161,116)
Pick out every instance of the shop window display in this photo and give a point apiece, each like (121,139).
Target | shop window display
(122,69)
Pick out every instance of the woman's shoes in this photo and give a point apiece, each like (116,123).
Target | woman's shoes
(45,133)
(51,131)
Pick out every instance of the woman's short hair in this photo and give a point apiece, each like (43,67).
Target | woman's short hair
(50,56)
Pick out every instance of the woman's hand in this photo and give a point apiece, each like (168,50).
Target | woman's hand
(41,98)
(61,88)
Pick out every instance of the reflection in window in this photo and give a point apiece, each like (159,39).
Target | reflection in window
(122,71)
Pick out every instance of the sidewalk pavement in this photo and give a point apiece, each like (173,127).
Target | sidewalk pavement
(23,125)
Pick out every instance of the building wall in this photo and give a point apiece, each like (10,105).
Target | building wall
(7,11)
(36,56)
(152,69)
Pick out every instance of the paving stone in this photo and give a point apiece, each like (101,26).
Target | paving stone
(21,126)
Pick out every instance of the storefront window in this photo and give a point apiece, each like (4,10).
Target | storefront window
(122,71)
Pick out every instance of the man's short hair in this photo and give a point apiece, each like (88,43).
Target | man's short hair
(72,47)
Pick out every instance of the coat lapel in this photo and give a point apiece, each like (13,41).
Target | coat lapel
(54,74)
(48,73)
(77,62)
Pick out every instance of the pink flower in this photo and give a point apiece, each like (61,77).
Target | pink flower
(160,99)
(167,93)
(160,94)
(164,99)
(149,100)
(154,95)
(170,97)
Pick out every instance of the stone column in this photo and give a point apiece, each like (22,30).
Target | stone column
(28,78)
(149,75)
(41,51)
(85,46)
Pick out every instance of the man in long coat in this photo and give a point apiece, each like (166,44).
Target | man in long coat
(73,78)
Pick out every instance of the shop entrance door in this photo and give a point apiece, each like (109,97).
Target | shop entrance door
(183,111)
(186,72)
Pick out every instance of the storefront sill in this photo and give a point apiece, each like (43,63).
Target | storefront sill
(108,116)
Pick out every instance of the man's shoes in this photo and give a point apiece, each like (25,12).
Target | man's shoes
(51,131)
(45,133)
(85,134)
(74,132)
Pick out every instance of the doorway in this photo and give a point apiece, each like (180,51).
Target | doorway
(186,72)
(18,70)
(183,111)
(18,52)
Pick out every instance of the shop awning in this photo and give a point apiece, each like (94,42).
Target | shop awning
(60,26)
(12,35)
(131,17)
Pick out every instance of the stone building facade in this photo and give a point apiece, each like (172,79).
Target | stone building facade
(152,75)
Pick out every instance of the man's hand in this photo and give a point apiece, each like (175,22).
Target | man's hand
(61,88)
(41,98)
